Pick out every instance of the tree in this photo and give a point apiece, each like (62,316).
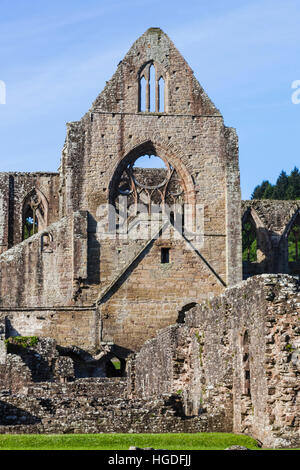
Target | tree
(264,191)
(281,186)
(286,187)
(293,190)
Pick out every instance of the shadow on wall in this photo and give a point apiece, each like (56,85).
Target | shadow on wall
(183,311)
(88,366)
(93,252)
(39,367)
(11,415)
(9,329)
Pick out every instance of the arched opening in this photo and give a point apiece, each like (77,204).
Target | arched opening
(250,242)
(142,93)
(161,103)
(128,196)
(152,91)
(34,214)
(151,88)
(182,313)
(146,185)
(47,243)
(30,224)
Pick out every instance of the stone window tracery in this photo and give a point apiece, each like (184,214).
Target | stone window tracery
(152,96)
(150,186)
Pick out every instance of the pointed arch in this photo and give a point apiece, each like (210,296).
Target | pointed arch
(256,245)
(152,87)
(34,213)
(169,156)
(171,188)
(290,245)
(161,95)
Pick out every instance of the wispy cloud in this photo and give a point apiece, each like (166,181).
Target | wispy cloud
(245,39)
(56,58)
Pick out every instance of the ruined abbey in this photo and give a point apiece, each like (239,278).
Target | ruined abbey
(148,299)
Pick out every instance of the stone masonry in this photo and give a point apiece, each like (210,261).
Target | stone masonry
(122,305)
(237,354)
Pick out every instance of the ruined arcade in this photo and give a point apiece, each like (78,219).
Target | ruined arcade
(101,258)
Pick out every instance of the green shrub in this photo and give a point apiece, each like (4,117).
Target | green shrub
(22,341)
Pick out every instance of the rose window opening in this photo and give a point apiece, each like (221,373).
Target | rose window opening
(149,185)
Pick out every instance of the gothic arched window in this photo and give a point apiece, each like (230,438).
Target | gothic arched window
(150,181)
(34,214)
(146,193)
(152,94)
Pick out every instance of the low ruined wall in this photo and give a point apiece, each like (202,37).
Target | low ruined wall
(263,341)
(69,413)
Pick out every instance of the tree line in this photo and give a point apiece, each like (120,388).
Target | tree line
(287,187)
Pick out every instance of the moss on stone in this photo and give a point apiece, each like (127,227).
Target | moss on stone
(22,341)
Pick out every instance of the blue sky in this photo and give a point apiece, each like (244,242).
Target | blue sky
(55,58)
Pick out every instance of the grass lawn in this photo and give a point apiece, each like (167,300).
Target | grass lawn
(200,441)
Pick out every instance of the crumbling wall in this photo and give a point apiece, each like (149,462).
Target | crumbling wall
(67,413)
(38,277)
(41,270)
(176,362)
(238,355)
(41,283)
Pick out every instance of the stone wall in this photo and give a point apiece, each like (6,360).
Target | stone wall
(69,326)
(45,281)
(238,354)
(44,270)
(85,413)
(114,288)
(150,294)
(40,394)
(37,276)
